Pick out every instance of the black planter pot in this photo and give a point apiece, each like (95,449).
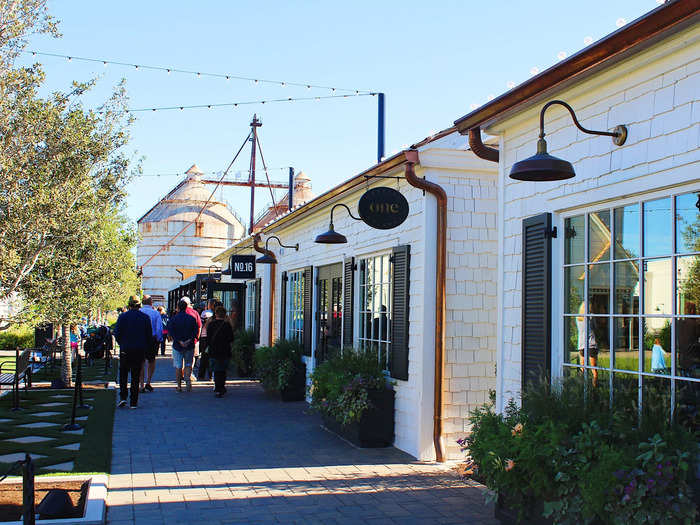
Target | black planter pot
(376,426)
(506,514)
(296,389)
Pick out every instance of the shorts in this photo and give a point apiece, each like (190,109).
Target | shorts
(151,352)
(592,352)
(183,358)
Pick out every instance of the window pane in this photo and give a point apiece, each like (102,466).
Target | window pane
(657,345)
(688,286)
(627,232)
(658,287)
(625,394)
(687,403)
(627,287)
(574,281)
(626,343)
(574,240)
(599,342)
(571,339)
(599,288)
(657,227)
(688,347)
(656,398)
(599,236)
(687,223)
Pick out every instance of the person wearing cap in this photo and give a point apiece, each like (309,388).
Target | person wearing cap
(183,330)
(195,315)
(134,335)
(157,329)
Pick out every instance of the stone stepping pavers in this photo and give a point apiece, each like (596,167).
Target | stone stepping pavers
(5,420)
(76,432)
(48,405)
(68,465)
(61,396)
(30,439)
(11,458)
(43,414)
(81,418)
(72,446)
(38,425)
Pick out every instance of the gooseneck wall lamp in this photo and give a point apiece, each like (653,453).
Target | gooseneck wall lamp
(271,259)
(332,236)
(544,167)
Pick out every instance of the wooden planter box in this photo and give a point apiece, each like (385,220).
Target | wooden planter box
(375,428)
(296,390)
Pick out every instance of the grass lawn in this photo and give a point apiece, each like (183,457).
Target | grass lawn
(95,452)
(94,373)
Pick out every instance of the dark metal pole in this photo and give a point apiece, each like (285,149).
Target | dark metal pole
(79,382)
(291,188)
(380,127)
(73,425)
(251,176)
(15,386)
(28,513)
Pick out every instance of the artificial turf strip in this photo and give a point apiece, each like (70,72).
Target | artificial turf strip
(95,453)
(90,373)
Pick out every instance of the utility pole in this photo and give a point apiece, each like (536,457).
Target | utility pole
(251,174)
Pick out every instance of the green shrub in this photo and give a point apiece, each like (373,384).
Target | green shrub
(340,386)
(19,336)
(274,366)
(586,463)
(243,349)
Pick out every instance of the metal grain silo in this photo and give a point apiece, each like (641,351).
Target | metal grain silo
(191,252)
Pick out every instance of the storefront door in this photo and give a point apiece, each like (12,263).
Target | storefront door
(230,294)
(329,315)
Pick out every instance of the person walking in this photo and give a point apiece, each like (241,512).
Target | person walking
(195,314)
(134,335)
(219,339)
(182,331)
(149,366)
(164,319)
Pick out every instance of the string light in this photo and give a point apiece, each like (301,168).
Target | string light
(226,76)
(245,103)
(214,173)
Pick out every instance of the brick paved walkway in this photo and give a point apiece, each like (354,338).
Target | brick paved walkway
(246,458)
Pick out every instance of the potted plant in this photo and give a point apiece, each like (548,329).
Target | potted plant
(354,398)
(243,348)
(565,457)
(281,370)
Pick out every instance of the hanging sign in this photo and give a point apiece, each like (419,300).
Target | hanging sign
(242,266)
(383,208)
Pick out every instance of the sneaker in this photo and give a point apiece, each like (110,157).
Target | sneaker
(189,386)
(142,390)
(148,387)
(122,403)
(219,394)
(178,389)
(133,407)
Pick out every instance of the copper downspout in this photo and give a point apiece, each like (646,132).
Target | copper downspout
(441,196)
(480,149)
(259,249)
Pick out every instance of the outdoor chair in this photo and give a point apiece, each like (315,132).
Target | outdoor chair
(22,371)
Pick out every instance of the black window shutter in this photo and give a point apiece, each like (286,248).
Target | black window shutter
(348,290)
(308,307)
(536,343)
(283,308)
(398,362)
(258,285)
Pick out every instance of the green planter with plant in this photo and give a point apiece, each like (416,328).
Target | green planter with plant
(352,395)
(243,349)
(281,370)
(566,457)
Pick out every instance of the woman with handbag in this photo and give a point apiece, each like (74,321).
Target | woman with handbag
(219,339)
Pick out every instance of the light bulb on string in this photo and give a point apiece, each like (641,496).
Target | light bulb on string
(199,75)
(104,63)
(168,71)
(228,78)
(308,87)
(135,66)
(69,58)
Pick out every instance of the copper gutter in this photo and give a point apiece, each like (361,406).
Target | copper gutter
(480,149)
(434,189)
(273,267)
(640,34)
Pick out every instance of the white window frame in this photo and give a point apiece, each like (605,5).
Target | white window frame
(294,307)
(250,304)
(363,339)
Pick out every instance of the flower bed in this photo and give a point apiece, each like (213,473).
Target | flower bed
(281,370)
(568,458)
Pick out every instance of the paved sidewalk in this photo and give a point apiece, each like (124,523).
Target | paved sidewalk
(247,458)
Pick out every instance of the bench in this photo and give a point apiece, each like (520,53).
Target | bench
(22,371)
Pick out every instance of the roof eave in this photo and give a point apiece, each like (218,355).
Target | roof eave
(615,47)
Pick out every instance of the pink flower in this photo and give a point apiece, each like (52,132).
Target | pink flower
(509,465)
(517,429)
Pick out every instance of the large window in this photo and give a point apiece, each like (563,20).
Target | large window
(294,315)
(251,306)
(375,306)
(632,298)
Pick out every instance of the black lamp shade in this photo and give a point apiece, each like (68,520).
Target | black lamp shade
(266,259)
(331,237)
(542,167)
(227,271)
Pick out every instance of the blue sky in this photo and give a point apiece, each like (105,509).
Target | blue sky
(433,61)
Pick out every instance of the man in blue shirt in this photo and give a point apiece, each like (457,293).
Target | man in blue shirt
(133,333)
(182,331)
(149,367)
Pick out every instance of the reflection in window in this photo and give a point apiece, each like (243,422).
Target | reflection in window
(295,306)
(658,283)
(657,345)
(657,224)
(574,282)
(687,223)
(375,306)
(688,284)
(598,288)
(574,236)
(626,287)
(688,347)
(250,304)
(599,236)
(627,232)
(626,343)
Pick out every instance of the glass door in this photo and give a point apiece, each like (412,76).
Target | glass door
(232,295)
(329,316)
